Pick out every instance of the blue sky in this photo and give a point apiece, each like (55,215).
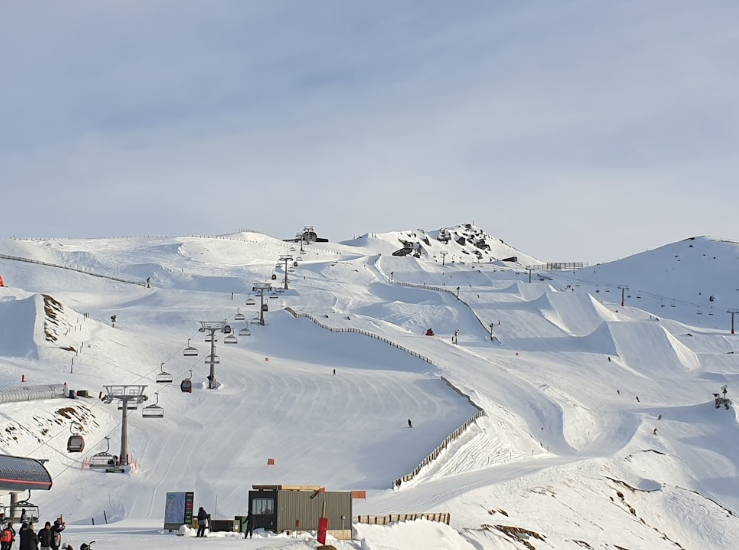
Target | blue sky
(573,130)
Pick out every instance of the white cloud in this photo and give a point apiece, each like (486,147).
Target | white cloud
(575,131)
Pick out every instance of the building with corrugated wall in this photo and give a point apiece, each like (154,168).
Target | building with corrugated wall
(282,508)
(14,394)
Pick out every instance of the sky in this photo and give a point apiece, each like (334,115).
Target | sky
(575,130)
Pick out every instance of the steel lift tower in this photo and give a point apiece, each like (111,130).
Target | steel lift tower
(285,258)
(260,288)
(211,327)
(129,397)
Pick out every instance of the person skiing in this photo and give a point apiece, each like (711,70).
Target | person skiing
(410,424)
(6,537)
(249,525)
(23,515)
(57,529)
(202,522)
(46,537)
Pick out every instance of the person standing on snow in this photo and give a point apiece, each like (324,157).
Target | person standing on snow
(249,525)
(57,529)
(6,537)
(46,537)
(202,522)
(28,537)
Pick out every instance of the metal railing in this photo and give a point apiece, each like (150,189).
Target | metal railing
(557,266)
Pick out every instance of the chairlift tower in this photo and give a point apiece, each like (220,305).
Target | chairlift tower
(307,232)
(260,288)
(623,288)
(129,397)
(211,327)
(300,237)
(286,258)
(733,312)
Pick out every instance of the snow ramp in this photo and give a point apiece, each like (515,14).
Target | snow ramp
(18,326)
(648,348)
(578,314)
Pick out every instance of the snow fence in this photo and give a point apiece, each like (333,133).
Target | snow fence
(30,261)
(424,286)
(454,435)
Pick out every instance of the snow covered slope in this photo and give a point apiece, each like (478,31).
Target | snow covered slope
(599,428)
(693,281)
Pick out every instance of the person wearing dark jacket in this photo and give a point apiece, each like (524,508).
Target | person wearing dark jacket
(46,537)
(29,538)
(202,522)
(249,525)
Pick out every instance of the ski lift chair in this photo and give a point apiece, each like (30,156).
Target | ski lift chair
(212,360)
(163,377)
(230,339)
(245,332)
(210,338)
(273,295)
(227,329)
(274,277)
(75,443)
(295,264)
(190,351)
(186,384)
(265,307)
(103,459)
(299,258)
(153,411)
(32,511)
(250,302)
(239,316)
